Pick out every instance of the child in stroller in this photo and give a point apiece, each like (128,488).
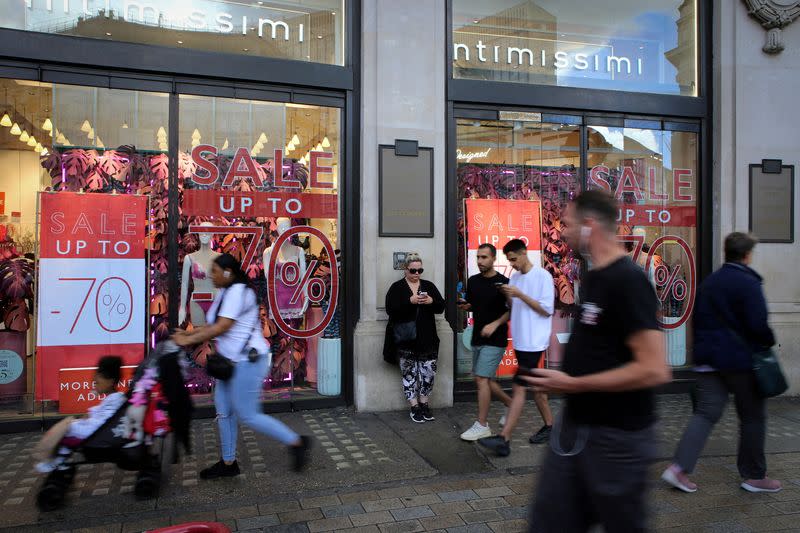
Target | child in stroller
(136,430)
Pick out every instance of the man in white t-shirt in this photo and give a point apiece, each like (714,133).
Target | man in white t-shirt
(531,296)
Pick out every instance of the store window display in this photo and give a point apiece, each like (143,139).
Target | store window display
(265,175)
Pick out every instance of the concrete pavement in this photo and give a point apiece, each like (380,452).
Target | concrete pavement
(381,472)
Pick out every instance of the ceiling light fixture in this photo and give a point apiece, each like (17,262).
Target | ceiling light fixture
(326,143)
(38,148)
(47,126)
(31,141)
(85,127)
(24,136)
(263,138)
(225,144)
(125,125)
(90,135)
(15,130)
(6,120)
(295,139)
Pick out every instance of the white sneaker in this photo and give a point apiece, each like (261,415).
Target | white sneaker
(503,418)
(476,432)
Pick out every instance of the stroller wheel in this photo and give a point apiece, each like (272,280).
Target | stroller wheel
(55,486)
(147,483)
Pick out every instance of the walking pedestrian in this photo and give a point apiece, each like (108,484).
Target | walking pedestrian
(489,336)
(234,322)
(412,303)
(730,323)
(531,296)
(596,468)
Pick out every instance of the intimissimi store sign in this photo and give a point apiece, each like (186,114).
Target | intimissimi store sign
(300,30)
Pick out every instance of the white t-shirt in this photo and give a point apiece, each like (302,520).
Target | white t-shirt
(529,329)
(239,303)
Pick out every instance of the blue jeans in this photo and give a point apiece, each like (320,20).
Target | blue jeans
(237,400)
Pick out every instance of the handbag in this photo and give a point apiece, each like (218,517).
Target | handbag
(404,332)
(218,366)
(770,379)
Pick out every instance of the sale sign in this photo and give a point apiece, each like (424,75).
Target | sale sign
(92,283)
(76,388)
(496,222)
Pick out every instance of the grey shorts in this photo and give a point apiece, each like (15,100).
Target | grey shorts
(486,359)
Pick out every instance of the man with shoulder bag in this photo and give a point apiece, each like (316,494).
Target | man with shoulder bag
(731,349)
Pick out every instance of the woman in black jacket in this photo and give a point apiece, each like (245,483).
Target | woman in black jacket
(414,300)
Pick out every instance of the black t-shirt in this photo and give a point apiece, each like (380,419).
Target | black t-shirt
(488,304)
(618,301)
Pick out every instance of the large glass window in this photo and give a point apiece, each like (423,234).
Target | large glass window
(653,174)
(629,45)
(302,30)
(64,138)
(271,169)
(282,224)
(516,176)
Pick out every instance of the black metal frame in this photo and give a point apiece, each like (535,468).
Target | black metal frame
(482,99)
(381,231)
(750,202)
(62,59)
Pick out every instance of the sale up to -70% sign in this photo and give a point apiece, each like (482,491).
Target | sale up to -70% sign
(92,285)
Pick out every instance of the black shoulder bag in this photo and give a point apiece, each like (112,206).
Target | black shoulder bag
(766,367)
(218,366)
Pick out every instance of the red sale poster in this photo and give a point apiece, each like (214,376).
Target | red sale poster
(496,222)
(92,284)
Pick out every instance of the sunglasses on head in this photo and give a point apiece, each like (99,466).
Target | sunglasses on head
(416,270)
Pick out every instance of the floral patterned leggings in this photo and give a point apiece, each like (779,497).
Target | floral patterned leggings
(418,376)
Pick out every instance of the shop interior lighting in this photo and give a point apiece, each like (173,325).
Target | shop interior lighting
(47,126)
(31,141)
(38,149)
(125,125)
(225,144)
(326,143)
(15,130)
(161,132)
(85,127)
(6,120)
(60,139)
(295,139)
(318,147)
(90,135)
(100,143)
(290,147)
(24,136)
(44,151)
(263,138)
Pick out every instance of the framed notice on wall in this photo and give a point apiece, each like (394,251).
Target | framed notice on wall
(772,201)
(406,190)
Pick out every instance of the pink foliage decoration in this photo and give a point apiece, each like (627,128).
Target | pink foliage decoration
(553,186)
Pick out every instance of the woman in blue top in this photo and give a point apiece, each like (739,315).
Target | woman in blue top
(234,322)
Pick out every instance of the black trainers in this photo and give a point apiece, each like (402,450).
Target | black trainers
(498,444)
(416,414)
(300,453)
(220,469)
(541,436)
(426,412)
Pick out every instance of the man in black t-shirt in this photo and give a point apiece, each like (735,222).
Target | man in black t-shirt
(596,470)
(489,336)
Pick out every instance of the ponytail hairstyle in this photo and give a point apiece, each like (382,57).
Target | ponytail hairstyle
(228,262)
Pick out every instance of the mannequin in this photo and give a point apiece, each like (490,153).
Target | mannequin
(288,253)
(196,265)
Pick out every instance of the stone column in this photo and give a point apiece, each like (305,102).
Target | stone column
(403,82)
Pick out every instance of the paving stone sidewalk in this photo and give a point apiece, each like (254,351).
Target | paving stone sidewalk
(382,473)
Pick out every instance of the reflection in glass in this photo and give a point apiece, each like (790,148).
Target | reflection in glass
(628,45)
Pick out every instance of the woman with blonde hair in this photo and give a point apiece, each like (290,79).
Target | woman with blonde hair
(411,337)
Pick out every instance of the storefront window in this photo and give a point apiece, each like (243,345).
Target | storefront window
(69,139)
(514,178)
(653,174)
(639,46)
(307,30)
(280,219)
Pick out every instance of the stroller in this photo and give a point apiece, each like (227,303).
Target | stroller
(142,435)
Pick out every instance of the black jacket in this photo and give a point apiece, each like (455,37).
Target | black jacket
(732,293)
(400,309)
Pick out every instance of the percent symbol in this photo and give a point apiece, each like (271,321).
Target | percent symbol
(670,282)
(313,288)
(121,308)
